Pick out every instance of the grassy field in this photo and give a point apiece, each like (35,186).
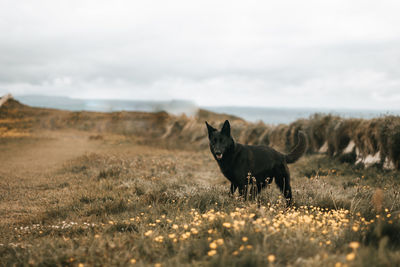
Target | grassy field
(78,198)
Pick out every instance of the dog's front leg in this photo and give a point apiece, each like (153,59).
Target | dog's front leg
(233,189)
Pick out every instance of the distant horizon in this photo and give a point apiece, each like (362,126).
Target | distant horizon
(269,115)
(188,101)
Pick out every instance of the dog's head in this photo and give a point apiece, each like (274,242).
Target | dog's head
(220,141)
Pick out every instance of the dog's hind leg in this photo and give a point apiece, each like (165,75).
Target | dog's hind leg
(243,191)
(282,179)
(259,187)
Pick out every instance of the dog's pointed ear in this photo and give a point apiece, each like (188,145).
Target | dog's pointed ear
(210,129)
(226,129)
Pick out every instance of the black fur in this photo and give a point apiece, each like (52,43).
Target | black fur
(264,163)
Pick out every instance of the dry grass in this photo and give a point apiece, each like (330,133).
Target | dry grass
(88,189)
(145,206)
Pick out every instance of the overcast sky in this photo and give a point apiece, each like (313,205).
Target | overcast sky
(305,53)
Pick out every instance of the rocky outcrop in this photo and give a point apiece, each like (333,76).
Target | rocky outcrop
(5,98)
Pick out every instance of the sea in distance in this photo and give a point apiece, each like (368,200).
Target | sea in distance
(268,115)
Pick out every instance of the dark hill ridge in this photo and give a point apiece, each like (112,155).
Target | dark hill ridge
(366,142)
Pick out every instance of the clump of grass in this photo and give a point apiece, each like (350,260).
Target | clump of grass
(110,172)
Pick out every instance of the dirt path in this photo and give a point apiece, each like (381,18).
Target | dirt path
(30,157)
(29,168)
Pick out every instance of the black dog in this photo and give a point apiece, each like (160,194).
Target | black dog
(264,163)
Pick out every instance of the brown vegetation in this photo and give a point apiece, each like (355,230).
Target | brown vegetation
(132,188)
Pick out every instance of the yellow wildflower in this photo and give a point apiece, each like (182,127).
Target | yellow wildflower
(220,241)
(148,233)
(212,252)
(271,257)
(354,245)
(351,256)
(159,239)
(227,225)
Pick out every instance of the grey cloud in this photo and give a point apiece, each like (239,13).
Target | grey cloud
(179,50)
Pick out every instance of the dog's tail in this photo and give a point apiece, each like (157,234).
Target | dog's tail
(299,149)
